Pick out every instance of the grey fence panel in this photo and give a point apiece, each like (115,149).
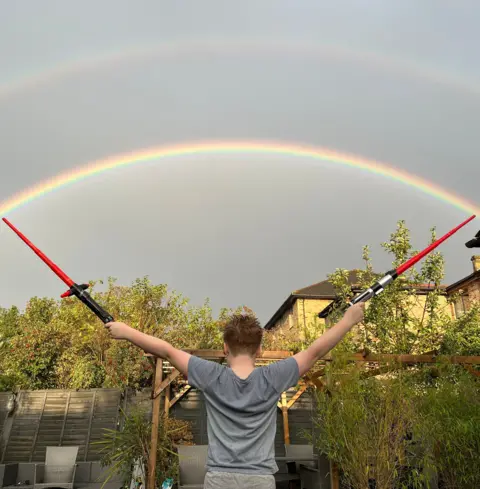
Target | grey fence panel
(300,419)
(61,418)
(25,426)
(105,416)
(191,408)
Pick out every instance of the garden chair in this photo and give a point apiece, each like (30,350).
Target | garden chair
(193,466)
(304,462)
(58,471)
(8,475)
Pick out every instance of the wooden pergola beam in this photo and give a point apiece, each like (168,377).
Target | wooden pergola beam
(180,394)
(410,359)
(357,357)
(315,375)
(297,396)
(267,354)
(318,383)
(474,372)
(168,393)
(173,375)
(219,354)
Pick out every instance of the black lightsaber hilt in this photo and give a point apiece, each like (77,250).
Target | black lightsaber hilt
(80,291)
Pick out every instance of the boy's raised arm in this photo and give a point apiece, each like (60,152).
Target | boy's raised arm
(157,347)
(306,359)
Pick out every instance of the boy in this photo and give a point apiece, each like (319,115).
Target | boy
(241,400)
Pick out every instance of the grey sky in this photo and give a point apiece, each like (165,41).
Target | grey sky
(240,229)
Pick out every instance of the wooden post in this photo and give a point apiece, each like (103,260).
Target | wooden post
(286,431)
(167,399)
(334,476)
(152,459)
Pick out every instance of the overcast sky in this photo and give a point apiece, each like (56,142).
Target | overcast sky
(397,82)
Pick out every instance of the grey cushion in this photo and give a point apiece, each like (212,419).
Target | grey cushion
(58,474)
(299,452)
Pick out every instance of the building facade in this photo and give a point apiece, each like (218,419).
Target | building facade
(310,306)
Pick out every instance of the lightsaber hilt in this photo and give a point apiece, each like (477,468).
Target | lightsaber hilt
(377,288)
(80,291)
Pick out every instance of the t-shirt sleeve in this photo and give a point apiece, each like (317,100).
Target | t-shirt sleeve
(283,374)
(201,372)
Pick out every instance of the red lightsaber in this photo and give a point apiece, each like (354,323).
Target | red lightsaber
(390,276)
(79,291)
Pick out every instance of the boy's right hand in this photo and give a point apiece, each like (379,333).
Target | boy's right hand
(355,313)
(118,330)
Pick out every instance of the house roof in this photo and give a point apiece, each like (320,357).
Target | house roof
(322,291)
(325,289)
(473,277)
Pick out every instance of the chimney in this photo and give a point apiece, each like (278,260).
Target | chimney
(476,263)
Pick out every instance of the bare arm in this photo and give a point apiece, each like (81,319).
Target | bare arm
(306,359)
(157,347)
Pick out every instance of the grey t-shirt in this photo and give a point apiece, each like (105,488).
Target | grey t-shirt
(242,413)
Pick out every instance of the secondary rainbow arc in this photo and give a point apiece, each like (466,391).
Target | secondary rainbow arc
(180,48)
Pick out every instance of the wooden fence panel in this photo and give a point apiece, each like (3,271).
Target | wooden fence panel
(61,418)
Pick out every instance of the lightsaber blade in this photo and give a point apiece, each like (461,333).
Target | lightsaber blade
(55,268)
(79,291)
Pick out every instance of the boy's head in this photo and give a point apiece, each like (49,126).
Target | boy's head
(242,336)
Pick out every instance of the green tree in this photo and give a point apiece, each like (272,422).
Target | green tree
(62,344)
(462,336)
(32,353)
(374,424)
(399,320)
(9,327)
(449,422)
(363,424)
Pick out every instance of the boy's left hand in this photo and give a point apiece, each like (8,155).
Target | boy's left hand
(355,313)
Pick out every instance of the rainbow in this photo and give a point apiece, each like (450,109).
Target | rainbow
(221,47)
(229,147)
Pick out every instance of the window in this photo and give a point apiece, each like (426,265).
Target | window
(291,322)
(461,306)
